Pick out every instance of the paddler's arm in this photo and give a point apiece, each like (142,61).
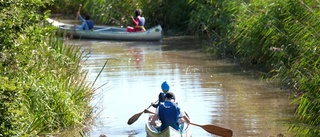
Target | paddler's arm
(154,119)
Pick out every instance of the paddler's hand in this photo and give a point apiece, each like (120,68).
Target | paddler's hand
(155,105)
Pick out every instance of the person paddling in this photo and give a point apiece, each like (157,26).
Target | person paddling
(138,22)
(87,23)
(165,88)
(169,113)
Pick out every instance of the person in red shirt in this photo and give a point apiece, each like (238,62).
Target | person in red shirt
(138,22)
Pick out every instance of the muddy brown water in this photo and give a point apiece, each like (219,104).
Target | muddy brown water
(211,91)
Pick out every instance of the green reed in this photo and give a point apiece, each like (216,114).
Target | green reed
(118,12)
(54,94)
(279,37)
(43,89)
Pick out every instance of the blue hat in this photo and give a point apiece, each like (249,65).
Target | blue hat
(165,86)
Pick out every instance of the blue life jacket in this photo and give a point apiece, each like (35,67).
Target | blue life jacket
(161,97)
(169,115)
(90,24)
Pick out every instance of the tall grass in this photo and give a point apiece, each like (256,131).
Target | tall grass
(280,37)
(53,94)
(57,96)
(42,88)
(215,21)
(118,12)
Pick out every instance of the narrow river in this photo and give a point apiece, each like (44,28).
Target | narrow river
(218,92)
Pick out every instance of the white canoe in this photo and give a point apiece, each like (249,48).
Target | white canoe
(109,33)
(168,132)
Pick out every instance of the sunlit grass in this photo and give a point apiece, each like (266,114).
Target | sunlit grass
(49,92)
(57,96)
(42,84)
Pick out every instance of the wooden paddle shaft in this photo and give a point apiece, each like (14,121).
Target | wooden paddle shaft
(135,117)
(78,11)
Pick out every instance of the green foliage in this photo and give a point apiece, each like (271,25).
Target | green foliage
(9,94)
(56,90)
(214,19)
(304,73)
(281,36)
(278,36)
(42,87)
(15,17)
(112,12)
(169,16)
(118,12)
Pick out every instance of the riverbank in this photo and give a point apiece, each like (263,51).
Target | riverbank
(43,89)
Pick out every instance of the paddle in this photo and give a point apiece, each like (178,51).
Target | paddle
(220,131)
(75,21)
(215,130)
(136,116)
(78,12)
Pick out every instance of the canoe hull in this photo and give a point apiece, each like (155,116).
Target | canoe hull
(109,33)
(168,132)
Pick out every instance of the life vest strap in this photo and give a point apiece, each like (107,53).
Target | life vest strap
(140,27)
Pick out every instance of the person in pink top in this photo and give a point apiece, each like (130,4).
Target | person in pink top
(138,22)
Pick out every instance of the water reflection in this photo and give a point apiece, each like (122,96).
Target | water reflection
(212,91)
(137,57)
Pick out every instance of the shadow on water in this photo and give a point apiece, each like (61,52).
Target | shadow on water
(181,43)
(212,91)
